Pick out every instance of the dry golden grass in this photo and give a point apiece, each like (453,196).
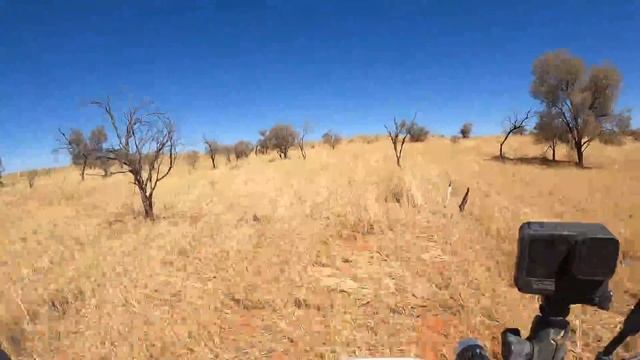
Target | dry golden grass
(341,254)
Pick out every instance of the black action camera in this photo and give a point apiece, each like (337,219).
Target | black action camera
(569,262)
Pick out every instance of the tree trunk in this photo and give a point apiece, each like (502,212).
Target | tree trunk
(396,152)
(502,144)
(553,150)
(84,168)
(579,154)
(506,136)
(147,204)
(302,152)
(213,160)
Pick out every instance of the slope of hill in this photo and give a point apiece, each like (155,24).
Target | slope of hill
(341,254)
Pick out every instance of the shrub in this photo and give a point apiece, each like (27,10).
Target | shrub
(31,176)
(417,133)
(281,138)
(332,139)
(611,138)
(465,130)
(242,149)
(191,158)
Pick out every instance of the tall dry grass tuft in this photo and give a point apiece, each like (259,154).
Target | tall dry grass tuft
(341,254)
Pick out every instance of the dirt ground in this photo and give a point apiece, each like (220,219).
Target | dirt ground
(339,255)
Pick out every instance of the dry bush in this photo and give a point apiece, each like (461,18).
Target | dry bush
(550,130)
(281,138)
(368,139)
(418,133)
(242,149)
(372,139)
(31,176)
(332,139)
(454,139)
(105,165)
(611,138)
(227,151)
(401,190)
(465,130)
(191,159)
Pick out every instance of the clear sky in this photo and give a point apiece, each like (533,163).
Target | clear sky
(230,68)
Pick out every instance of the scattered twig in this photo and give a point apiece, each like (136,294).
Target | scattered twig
(464,202)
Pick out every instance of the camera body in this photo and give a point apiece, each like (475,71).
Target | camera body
(569,262)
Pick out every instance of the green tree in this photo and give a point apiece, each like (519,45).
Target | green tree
(582,97)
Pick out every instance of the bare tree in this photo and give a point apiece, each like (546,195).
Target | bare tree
(550,130)
(191,158)
(466,129)
(281,138)
(583,98)
(212,148)
(306,129)
(398,136)
(242,149)
(332,139)
(146,146)
(513,124)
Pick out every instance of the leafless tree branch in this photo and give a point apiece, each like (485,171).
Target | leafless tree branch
(514,123)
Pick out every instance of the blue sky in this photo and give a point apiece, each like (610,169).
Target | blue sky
(229,68)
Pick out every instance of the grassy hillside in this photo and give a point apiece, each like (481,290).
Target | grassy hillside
(341,254)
